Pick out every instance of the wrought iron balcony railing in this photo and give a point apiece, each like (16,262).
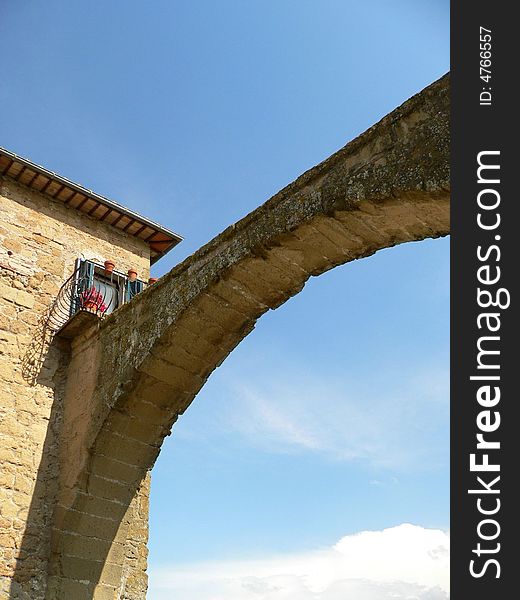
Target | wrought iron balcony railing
(92,288)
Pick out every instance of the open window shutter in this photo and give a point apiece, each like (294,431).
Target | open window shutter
(139,286)
(84,281)
(88,274)
(133,288)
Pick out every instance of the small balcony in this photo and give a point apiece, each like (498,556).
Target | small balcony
(93,291)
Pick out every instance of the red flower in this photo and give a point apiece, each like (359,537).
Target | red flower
(92,296)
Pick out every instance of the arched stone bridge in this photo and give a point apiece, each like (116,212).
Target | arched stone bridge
(131,375)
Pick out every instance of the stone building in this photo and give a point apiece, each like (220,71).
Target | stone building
(67,257)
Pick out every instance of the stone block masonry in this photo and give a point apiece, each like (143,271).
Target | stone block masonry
(39,243)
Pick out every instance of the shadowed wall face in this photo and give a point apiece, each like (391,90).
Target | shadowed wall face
(39,243)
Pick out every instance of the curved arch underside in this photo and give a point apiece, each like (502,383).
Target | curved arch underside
(134,373)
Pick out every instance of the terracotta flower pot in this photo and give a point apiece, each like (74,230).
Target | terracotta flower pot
(109,266)
(90,306)
(152,280)
(132,274)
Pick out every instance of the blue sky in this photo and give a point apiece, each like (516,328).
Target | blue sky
(331,418)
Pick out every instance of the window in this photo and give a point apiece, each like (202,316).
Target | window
(101,292)
(109,292)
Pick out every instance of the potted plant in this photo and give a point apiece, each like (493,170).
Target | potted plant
(109,266)
(132,274)
(93,300)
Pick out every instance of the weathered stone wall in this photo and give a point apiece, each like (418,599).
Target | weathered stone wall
(39,242)
(134,580)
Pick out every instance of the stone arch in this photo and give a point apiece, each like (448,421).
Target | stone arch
(133,374)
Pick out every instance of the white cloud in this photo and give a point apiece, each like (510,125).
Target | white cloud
(397,423)
(406,562)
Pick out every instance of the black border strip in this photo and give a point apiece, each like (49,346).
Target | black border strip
(484,255)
